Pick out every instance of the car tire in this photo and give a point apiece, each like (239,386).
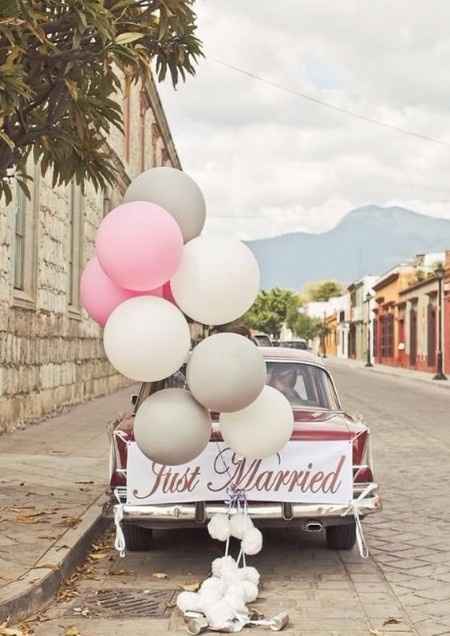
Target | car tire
(341,537)
(137,538)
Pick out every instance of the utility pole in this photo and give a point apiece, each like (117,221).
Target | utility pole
(440,375)
(369,334)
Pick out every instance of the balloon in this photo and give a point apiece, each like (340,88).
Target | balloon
(99,295)
(171,428)
(167,293)
(226,372)
(139,246)
(147,338)
(174,191)
(261,429)
(217,281)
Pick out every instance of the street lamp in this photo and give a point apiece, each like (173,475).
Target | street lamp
(440,375)
(369,344)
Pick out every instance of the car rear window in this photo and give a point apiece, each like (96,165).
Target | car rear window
(304,385)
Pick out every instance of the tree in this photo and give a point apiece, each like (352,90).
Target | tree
(61,65)
(270,310)
(321,291)
(304,326)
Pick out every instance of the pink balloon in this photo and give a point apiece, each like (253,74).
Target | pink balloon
(167,293)
(139,245)
(100,296)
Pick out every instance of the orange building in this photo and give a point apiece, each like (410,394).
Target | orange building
(389,322)
(331,335)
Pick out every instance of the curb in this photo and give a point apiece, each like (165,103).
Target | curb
(392,374)
(23,597)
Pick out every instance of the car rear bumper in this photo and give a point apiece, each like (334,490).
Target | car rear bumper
(198,514)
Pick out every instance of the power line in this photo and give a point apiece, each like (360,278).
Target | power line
(331,106)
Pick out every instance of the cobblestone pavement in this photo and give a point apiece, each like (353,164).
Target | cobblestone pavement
(404,588)
(409,540)
(325,592)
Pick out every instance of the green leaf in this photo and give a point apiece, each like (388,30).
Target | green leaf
(127,38)
(7,139)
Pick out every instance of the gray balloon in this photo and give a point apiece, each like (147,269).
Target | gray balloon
(226,372)
(176,192)
(171,428)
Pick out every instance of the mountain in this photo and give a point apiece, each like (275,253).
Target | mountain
(368,240)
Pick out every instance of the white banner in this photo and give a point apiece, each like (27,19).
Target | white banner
(303,472)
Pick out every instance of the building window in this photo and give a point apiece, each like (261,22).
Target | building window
(20,229)
(387,335)
(25,244)
(75,227)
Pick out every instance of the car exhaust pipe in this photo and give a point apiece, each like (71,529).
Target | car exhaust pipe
(313,526)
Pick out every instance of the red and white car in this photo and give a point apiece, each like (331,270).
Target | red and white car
(319,418)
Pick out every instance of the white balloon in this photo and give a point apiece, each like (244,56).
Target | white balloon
(147,338)
(226,372)
(171,428)
(176,192)
(262,429)
(217,281)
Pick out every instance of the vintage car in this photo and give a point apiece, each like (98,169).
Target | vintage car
(319,420)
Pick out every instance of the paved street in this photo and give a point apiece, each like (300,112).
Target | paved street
(409,541)
(404,588)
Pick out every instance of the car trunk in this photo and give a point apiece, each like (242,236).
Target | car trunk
(309,425)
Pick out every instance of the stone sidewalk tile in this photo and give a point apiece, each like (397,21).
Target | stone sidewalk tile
(386,370)
(409,538)
(51,474)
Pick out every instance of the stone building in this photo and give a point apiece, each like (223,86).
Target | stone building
(51,353)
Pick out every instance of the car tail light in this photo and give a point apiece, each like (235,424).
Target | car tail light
(362,471)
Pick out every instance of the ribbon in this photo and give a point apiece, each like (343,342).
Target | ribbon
(119,542)
(354,509)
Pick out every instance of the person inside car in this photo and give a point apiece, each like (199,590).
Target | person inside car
(284,380)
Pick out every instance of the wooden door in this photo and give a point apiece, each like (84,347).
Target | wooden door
(431,335)
(413,337)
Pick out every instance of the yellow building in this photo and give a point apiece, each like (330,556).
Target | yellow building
(331,335)
(389,322)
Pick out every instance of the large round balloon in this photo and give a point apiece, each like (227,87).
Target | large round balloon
(171,428)
(147,338)
(139,246)
(174,191)
(100,296)
(217,281)
(226,372)
(262,429)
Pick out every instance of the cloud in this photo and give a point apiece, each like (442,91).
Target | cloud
(270,162)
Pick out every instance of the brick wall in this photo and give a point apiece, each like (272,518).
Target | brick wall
(51,353)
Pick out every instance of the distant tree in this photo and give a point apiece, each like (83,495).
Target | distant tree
(270,311)
(321,291)
(306,327)
(61,66)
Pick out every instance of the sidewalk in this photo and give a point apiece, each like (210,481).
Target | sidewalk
(399,372)
(52,488)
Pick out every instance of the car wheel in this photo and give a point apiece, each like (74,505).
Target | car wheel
(341,537)
(137,538)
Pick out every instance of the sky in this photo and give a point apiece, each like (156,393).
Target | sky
(270,162)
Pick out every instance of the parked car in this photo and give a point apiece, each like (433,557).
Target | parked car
(261,339)
(300,343)
(318,416)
